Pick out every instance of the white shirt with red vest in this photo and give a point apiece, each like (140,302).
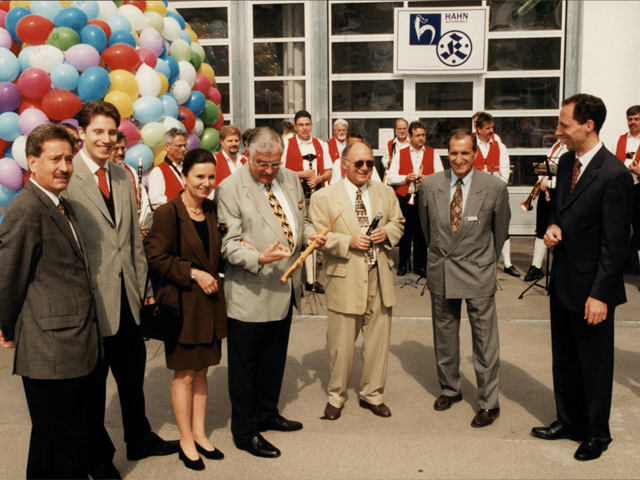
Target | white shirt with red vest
(225,167)
(390,152)
(493,156)
(164,183)
(628,143)
(407,160)
(335,148)
(292,160)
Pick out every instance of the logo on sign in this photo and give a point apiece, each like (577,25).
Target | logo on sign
(454,48)
(424,29)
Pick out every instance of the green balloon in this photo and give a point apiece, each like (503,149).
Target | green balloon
(197,48)
(196,61)
(210,139)
(209,115)
(154,20)
(180,50)
(63,38)
(118,3)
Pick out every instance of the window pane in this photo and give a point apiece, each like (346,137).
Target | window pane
(526,132)
(223,88)
(368,128)
(278,21)
(362,18)
(523,173)
(218,58)
(207,22)
(525,15)
(272,123)
(444,96)
(278,59)
(362,57)
(522,93)
(438,129)
(372,96)
(286,96)
(524,54)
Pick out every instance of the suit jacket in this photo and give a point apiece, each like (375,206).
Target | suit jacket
(347,269)
(463,264)
(114,248)
(45,290)
(254,294)
(595,222)
(203,315)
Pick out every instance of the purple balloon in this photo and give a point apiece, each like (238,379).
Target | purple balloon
(194,141)
(10,97)
(30,119)
(10,173)
(71,121)
(5,39)
(82,56)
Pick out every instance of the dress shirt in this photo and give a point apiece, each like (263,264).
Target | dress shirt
(586,158)
(233,166)
(341,146)
(157,187)
(306,147)
(386,159)
(504,170)
(282,198)
(394,178)
(55,199)
(93,166)
(352,191)
(466,184)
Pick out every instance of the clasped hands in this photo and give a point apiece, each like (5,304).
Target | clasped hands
(311,177)
(412,177)
(363,242)
(205,281)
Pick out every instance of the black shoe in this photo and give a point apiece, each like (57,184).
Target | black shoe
(151,446)
(331,412)
(422,272)
(485,417)
(318,286)
(105,471)
(591,449)
(280,424)
(214,454)
(556,431)
(402,271)
(259,447)
(380,410)
(444,402)
(533,274)
(191,464)
(512,271)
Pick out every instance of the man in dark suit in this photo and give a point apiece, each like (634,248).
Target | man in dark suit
(47,311)
(589,227)
(465,217)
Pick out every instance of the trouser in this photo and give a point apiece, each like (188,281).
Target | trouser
(412,235)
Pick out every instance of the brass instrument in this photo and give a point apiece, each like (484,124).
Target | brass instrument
(412,198)
(305,186)
(527,205)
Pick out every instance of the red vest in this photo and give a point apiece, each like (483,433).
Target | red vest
(492,160)
(172,186)
(406,167)
(621,150)
(390,146)
(294,156)
(334,153)
(222,167)
(133,176)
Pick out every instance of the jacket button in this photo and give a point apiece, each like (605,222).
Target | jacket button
(120,274)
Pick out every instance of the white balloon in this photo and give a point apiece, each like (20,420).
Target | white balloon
(46,57)
(181,90)
(107,10)
(134,15)
(148,80)
(170,122)
(187,73)
(18,151)
(172,30)
(199,128)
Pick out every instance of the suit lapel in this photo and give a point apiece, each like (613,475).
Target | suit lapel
(189,233)
(89,186)
(585,179)
(117,192)
(441,196)
(349,216)
(476,196)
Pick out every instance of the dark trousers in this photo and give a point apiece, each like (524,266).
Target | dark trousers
(412,234)
(257,355)
(582,370)
(543,210)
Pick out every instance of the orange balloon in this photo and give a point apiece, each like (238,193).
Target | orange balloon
(60,105)
(121,56)
(34,29)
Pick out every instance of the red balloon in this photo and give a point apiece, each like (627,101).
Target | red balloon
(218,124)
(5,6)
(25,177)
(121,56)
(60,105)
(103,25)
(202,84)
(147,56)
(34,83)
(214,96)
(141,5)
(34,29)
(2,15)
(29,103)
(189,121)
(3,147)
(16,48)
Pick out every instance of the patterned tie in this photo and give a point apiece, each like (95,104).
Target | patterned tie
(102,182)
(576,174)
(282,218)
(62,211)
(455,209)
(363,221)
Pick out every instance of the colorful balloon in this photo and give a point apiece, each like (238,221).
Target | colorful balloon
(46,57)
(170,122)
(46,9)
(139,152)
(171,107)
(82,56)
(130,130)
(10,97)
(65,77)
(34,83)
(202,84)
(122,101)
(34,29)
(6,195)
(156,6)
(60,105)
(194,141)
(104,26)
(152,134)
(134,15)
(220,122)
(180,50)
(207,70)
(94,84)
(13,17)
(187,73)
(121,56)
(147,56)
(176,16)
(196,61)
(96,37)
(187,118)
(174,67)
(171,30)
(5,39)
(199,128)
(18,151)
(196,102)
(139,4)
(210,113)
(63,38)
(154,20)
(91,9)
(72,18)
(29,103)
(181,90)
(107,10)
(30,119)
(148,109)
(148,81)
(210,139)
(10,174)
(9,126)
(118,22)
(151,39)
(124,81)
(122,36)
(164,84)
(9,66)
(214,96)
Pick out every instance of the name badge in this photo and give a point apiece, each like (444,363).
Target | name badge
(300,205)
(470,219)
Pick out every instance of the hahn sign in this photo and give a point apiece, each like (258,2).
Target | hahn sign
(440,40)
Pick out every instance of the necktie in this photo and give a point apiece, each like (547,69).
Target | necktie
(102,182)
(576,174)
(280,215)
(363,221)
(455,209)
(62,211)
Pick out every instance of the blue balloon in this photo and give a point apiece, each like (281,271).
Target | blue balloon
(118,22)
(122,36)
(174,67)
(9,127)
(6,195)
(1,217)
(196,102)
(72,18)
(23,58)
(46,9)
(171,107)
(93,35)
(91,9)
(14,15)
(137,152)
(9,66)
(9,152)
(185,36)
(94,84)
(64,77)
(148,109)
(178,17)
(163,68)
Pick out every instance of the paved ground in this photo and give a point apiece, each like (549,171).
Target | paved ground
(416,442)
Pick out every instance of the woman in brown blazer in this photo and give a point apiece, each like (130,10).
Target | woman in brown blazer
(193,271)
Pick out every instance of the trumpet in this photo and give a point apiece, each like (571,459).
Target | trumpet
(412,198)
(527,205)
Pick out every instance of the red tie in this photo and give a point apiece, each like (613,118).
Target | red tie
(576,174)
(102,182)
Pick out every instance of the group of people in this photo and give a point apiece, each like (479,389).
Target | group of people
(77,274)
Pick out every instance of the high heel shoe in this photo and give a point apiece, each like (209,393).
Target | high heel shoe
(211,455)
(192,464)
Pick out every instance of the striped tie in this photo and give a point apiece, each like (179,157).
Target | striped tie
(363,221)
(280,215)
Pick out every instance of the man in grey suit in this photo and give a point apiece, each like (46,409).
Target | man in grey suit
(47,312)
(262,205)
(102,195)
(465,217)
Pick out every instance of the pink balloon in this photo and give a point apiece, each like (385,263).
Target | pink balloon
(202,83)
(82,57)
(71,121)
(5,38)
(2,15)
(130,131)
(194,141)
(214,96)
(34,83)
(151,39)
(147,56)
(30,119)
(10,173)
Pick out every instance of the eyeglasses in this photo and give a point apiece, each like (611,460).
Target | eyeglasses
(180,146)
(274,165)
(360,163)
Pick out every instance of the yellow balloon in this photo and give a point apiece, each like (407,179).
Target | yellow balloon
(65,4)
(135,35)
(192,35)
(158,155)
(124,81)
(164,84)
(26,5)
(207,70)
(158,7)
(122,101)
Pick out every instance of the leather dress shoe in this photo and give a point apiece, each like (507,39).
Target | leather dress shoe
(104,471)
(556,431)
(402,271)
(590,449)
(444,402)
(331,412)
(280,424)
(534,273)
(191,464)
(380,410)
(318,286)
(485,417)
(422,272)
(512,271)
(259,447)
(214,454)
(150,446)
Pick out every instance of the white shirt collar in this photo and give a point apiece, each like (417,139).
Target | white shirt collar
(587,157)
(352,189)
(93,166)
(54,198)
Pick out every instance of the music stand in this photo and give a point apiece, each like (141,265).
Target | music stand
(314,297)
(408,280)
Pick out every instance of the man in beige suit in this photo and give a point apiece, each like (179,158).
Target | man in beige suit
(359,280)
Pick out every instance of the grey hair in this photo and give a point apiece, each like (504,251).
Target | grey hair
(341,121)
(173,133)
(264,140)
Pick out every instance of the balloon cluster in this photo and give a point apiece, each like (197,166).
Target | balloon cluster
(138,55)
